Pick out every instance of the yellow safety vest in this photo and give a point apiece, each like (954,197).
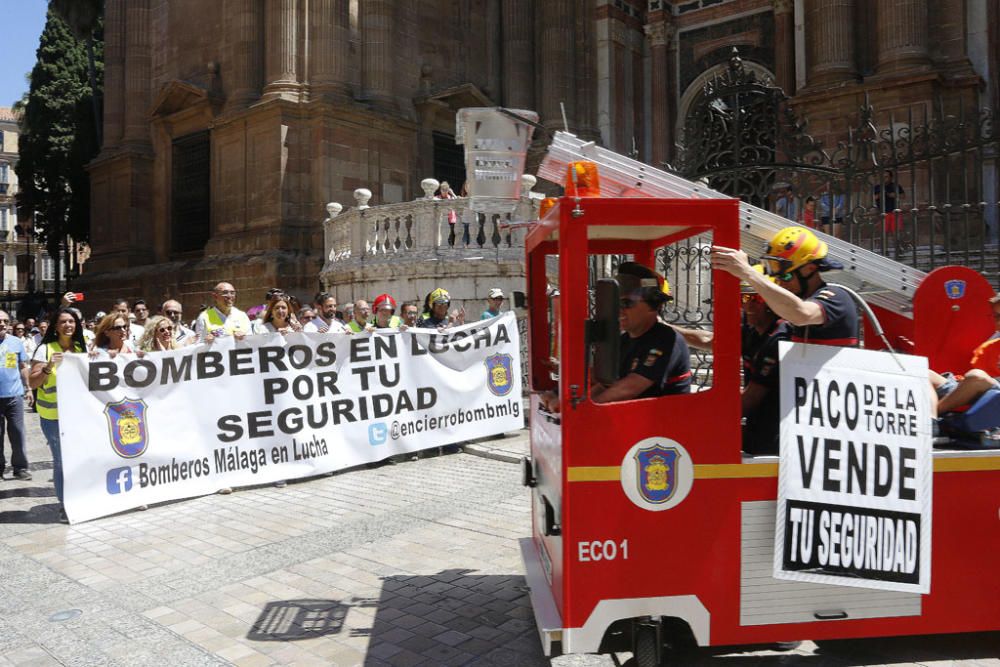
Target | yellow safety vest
(232,324)
(46,403)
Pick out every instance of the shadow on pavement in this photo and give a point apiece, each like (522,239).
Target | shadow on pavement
(48,513)
(289,620)
(454,617)
(28,492)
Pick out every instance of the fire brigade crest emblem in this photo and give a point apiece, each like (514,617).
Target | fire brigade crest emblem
(500,374)
(657,473)
(127,427)
(656,468)
(955,289)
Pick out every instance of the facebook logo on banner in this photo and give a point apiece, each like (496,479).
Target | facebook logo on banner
(119,480)
(377,433)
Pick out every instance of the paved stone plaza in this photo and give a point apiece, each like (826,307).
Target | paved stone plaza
(407,564)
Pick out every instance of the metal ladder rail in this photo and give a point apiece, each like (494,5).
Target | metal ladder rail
(889,284)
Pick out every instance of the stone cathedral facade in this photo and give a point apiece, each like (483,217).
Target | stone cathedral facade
(228,124)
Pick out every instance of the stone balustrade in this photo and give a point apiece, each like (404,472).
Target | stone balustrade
(409,248)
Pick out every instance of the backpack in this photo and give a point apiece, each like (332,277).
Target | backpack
(979,426)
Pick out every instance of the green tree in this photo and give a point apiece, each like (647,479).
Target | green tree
(59,137)
(84,19)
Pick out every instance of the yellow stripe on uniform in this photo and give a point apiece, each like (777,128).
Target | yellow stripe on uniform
(763,470)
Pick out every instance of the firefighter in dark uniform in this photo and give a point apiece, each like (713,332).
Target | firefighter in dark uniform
(655,360)
(796,259)
(815,312)
(761,332)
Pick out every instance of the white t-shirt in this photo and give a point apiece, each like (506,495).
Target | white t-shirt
(319,325)
(135,332)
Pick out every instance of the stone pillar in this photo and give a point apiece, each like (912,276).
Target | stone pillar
(556,53)
(114,72)
(584,59)
(830,41)
(376,51)
(329,40)
(246,66)
(784,45)
(675,132)
(902,35)
(661,121)
(280,47)
(137,73)
(518,28)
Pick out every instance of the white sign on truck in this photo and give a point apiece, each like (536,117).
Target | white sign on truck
(856,470)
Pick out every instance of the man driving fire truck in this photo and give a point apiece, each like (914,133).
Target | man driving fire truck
(818,313)
(654,359)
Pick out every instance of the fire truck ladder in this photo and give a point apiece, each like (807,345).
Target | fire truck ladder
(881,281)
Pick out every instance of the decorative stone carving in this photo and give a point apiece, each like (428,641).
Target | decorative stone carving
(362,196)
(783,6)
(429,186)
(657,33)
(333,209)
(527,182)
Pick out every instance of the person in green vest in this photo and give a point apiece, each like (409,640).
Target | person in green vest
(222,319)
(362,311)
(64,335)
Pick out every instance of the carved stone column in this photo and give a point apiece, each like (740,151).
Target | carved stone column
(281,49)
(376,51)
(784,45)
(556,53)
(518,28)
(661,121)
(902,35)
(830,41)
(675,130)
(329,40)
(246,67)
(114,72)
(137,73)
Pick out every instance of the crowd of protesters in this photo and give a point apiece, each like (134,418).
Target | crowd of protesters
(33,350)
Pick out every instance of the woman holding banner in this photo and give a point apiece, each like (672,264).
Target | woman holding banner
(111,335)
(278,318)
(64,335)
(158,335)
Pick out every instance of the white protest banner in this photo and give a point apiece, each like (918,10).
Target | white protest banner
(188,422)
(854,481)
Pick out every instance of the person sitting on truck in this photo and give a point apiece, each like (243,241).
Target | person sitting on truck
(796,258)
(762,330)
(655,360)
(953,392)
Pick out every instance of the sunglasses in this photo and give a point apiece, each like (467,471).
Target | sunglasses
(171,313)
(165,330)
(118,327)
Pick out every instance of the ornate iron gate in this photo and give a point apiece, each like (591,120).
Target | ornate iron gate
(923,189)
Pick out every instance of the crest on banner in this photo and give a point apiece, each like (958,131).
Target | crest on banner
(127,427)
(500,374)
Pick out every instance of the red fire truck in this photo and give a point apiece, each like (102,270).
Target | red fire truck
(607,574)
